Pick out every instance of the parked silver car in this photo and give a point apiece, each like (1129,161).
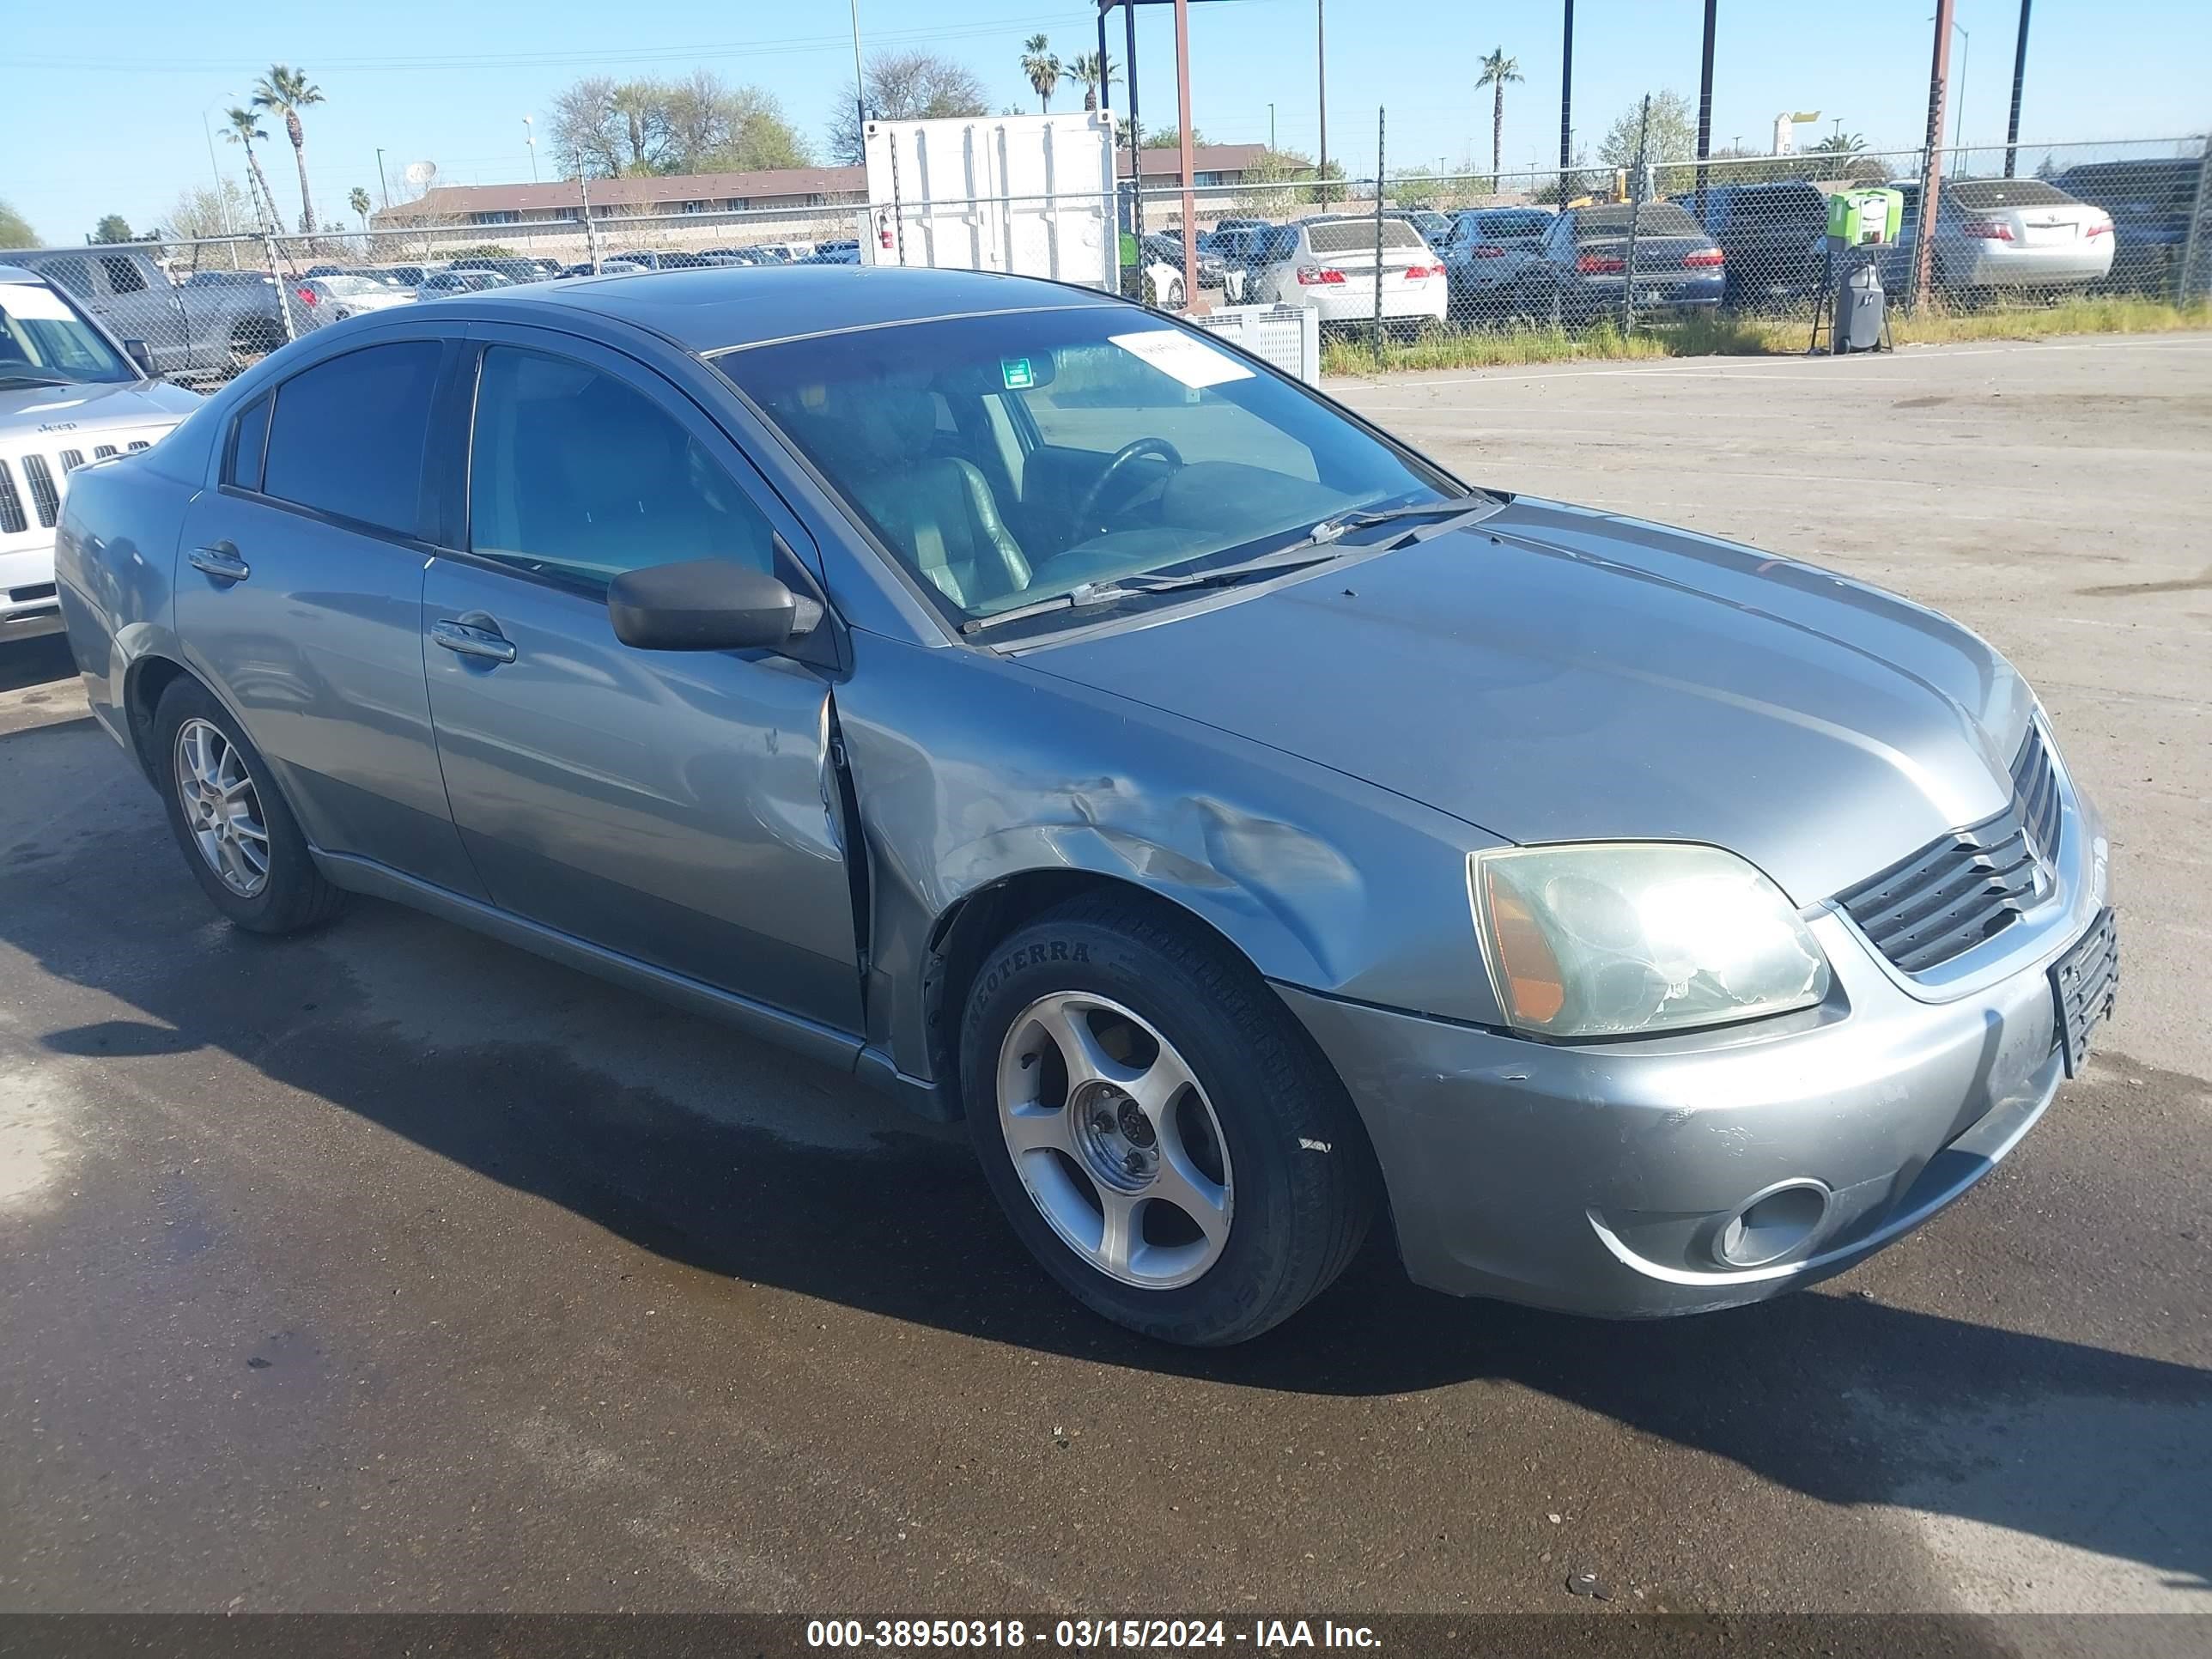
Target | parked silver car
(1021,700)
(322,300)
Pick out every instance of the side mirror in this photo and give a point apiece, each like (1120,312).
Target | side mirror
(141,358)
(707,605)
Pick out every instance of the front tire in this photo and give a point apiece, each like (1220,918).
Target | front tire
(1162,1136)
(237,834)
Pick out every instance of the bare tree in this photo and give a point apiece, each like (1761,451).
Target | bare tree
(906,86)
(605,127)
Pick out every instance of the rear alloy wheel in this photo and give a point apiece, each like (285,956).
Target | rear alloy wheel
(238,834)
(1163,1137)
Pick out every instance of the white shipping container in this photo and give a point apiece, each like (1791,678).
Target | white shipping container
(1032,195)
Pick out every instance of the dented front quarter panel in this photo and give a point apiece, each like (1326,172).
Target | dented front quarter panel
(972,768)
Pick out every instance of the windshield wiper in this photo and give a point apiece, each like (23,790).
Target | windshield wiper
(1085,595)
(1452,506)
(12,379)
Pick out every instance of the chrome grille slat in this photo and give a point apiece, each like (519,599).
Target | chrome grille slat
(101,451)
(12,521)
(44,495)
(1969,885)
(72,459)
(138,444)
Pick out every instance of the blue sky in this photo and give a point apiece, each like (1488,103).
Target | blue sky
(108,118)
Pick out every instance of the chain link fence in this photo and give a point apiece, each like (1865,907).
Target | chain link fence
(1417,256)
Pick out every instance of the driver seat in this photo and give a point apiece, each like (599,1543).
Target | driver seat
(938,509)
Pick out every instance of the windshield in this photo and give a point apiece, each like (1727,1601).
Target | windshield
(352,287)
(1010,460)
(42,339)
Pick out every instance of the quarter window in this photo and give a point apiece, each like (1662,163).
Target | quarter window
(572,473)
(247,438)
(348,435)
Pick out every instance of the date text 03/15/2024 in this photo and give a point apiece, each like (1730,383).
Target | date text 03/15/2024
(1258,1635)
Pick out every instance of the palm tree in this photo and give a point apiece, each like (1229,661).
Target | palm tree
(359,202)
(1496,70)
(243,126)
(1043,68)
(1086,68)
(286,92)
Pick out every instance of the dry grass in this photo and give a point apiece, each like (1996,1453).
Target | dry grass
(1779,336)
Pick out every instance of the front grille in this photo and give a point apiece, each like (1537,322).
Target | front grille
(2035,793)
(1969,884)
(35,591)
(12,521)
(101,451)
(44,495)
(72,459)
(138,444)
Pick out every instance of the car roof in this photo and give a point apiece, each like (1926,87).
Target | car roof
(710,308)
(17,274)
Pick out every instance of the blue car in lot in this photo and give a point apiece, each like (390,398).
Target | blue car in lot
(1583,264)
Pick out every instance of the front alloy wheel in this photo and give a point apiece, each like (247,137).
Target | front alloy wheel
(1115,1142)
(222,808)
(1162,1136)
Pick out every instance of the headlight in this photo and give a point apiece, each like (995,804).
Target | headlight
(1609,938)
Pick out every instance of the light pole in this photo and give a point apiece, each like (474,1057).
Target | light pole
(529,139)
(222,202)
(383,184)
(1271,126)
(1321,82)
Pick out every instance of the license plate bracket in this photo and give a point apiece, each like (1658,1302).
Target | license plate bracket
(2085,984)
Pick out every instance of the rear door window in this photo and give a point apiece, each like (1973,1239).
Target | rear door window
(348,435)
(124,275)
(249,433)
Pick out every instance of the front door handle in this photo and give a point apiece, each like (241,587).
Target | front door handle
(220,560)
(471,640)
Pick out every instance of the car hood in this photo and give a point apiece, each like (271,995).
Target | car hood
(56,410)
(1555,674)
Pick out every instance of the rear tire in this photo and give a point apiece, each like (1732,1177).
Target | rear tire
(1196,1172)
(237,832)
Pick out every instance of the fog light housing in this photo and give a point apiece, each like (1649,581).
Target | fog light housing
(1771,1225)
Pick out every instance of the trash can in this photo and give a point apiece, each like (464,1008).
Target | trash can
(1859,301)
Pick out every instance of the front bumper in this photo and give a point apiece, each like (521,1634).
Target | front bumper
(1604,1178)
(28,602)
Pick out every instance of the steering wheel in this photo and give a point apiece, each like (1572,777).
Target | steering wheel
(1126,454)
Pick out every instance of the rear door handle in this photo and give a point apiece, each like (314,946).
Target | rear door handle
(470,639)
(220,561)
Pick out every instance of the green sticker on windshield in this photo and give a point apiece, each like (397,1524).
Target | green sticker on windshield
(1016,373)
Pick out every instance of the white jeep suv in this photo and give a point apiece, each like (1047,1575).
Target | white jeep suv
(70,395)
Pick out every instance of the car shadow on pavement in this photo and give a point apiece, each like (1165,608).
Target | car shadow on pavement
(1832,1394)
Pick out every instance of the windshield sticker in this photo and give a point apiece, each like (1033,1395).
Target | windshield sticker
(1193,363)
(1016,373)
(27,303)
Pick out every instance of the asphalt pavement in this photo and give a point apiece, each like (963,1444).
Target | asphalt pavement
(389,1268)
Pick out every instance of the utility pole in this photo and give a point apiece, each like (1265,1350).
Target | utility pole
(2019,74)
(1136,135)
(1705,104)
(1270,127)
(529,139)
(1321,82)
(1567,91)
(1931,159)
(1183,115)
(861,85)
(383,186)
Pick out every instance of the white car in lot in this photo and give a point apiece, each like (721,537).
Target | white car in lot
(2006,233)
(1329,263)
(69,395)
(317,301)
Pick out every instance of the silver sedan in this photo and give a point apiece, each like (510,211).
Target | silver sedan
(1023,701)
